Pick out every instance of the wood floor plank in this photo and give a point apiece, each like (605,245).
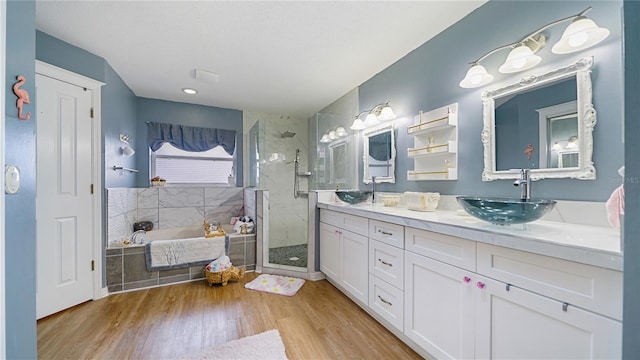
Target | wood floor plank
(319,322)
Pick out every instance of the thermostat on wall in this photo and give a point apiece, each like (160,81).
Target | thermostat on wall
(11,179)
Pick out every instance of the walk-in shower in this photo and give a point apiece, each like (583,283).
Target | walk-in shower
(282,199)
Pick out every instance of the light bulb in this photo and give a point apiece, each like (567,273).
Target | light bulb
(476,76)
(578,39)
(371,120)
(357,124)
(518,63)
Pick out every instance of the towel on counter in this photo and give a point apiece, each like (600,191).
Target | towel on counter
(175,254)
(220,264)
(615,206)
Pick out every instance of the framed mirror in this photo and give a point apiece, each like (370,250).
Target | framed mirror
(379,155)
(338,162)
(543,123)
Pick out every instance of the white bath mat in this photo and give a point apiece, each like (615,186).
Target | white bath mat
(266,345)
(281,285)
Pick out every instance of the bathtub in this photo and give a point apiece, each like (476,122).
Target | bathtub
(187,232)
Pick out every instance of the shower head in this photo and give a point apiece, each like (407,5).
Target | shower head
(287,134)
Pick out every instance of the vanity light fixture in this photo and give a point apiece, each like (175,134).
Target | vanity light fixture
(189,91)
(377,114)
(571,143)
(581,34)
(339,132)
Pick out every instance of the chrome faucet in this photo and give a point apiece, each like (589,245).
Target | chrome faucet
(373,190)
(138,237)
(525,184)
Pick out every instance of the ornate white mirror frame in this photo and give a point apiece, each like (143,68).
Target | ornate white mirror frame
(365,155)
(585,170)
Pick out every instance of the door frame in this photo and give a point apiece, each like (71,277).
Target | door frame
(67,76)
(3,25)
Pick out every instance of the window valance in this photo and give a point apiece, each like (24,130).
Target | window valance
(190,138)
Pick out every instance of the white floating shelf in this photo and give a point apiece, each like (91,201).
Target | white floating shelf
(449,121)
(447,174)
(435,145)
(450,147)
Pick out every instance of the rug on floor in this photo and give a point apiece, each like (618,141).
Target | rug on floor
(266,345)
(281,285)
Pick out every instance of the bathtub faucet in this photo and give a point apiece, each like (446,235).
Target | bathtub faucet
(138,237)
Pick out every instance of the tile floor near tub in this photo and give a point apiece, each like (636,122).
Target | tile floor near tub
(127,270)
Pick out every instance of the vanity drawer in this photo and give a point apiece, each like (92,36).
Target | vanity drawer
(388,233)
(356,224)
(386,301)
(387,263)
(585,286)
(448,249)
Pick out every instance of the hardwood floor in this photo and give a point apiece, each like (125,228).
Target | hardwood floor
(319,322)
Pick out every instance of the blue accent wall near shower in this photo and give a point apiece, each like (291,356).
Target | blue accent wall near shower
(428,77)
(20,208)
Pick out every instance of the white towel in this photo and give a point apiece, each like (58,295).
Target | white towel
(168,253)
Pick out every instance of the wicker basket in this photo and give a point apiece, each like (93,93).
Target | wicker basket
(224,276)
(158,183)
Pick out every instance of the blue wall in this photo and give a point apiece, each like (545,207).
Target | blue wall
(631,311)
(20,216)
(169,112)
(428,78)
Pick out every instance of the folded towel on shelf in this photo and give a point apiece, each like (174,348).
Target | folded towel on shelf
(220,264)
(615,207)
(180,253)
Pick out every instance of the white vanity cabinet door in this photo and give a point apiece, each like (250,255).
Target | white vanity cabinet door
(439,307)
(354,254)
(517,324)
(330,251)
(387,263)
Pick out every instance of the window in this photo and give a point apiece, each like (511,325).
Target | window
(186,167)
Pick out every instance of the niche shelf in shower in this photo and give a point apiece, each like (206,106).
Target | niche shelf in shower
(435,150)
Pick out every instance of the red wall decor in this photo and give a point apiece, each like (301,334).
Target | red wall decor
(23,97)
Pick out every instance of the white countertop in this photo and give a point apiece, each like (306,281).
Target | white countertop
(592,245)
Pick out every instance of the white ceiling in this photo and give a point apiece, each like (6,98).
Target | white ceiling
(280,57)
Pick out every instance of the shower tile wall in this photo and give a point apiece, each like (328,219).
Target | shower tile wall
(169,207)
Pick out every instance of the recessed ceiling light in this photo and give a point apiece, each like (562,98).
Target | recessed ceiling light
(189,91)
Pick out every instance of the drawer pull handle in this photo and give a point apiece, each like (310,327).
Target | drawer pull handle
(565,307)
(385,233)
(508,287)
(466,279)
(385,301)
(385,263)
(480,285)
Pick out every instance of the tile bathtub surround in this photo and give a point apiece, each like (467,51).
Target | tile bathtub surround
(169,207)
(126,267)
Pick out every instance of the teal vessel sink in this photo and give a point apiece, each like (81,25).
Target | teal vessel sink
(505,211)
(353,197)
